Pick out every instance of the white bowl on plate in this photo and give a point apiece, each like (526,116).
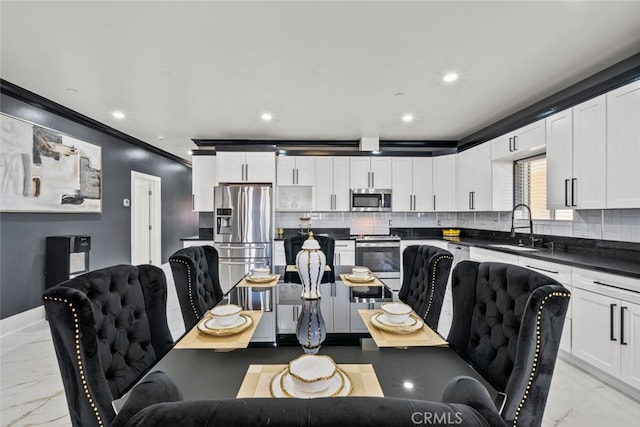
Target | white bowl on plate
(396,312)
(260,272)
(227,314)
(360,272)
(312,373)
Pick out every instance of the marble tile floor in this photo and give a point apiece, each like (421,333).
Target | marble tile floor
(32,392)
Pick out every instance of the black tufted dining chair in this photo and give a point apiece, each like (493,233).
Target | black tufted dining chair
(292,246)
(507,322)
(425,275)
(109,327)
(195,273)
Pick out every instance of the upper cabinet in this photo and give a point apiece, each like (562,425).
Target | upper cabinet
(370,172)
(294,170)
(521,143)
(203,179)
(588,184)
(559,159)
(251,166)
(474,179)
(623,147)
(412,184)
(332,183)
(576,150)
(444,183)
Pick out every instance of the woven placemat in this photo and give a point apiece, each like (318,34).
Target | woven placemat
(424,337)
(196,339)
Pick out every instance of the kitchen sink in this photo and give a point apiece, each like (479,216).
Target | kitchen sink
(514,248)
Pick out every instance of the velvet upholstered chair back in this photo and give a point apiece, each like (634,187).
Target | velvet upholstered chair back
(292,246)
(195,273)
(507,322)
(108,327)
(425,275)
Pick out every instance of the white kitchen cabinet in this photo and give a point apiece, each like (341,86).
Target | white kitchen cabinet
(331,183)
(444,183)
(296,170)
(606,323)
(412,184)
(561,273)
(559,159)
(588,185)
(623,147)
(287,317)
(370,172)
(334,305)
(474,179)
(189,243)
(251,166)
(521,143)
(356,323)
(279,257)
(345,252)
(203,179)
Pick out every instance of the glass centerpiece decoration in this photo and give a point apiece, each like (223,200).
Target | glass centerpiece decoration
(311,262)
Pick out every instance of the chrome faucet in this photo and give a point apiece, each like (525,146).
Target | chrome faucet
(513,232)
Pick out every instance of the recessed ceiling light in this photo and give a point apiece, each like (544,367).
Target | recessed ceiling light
(189,152)
(118,115)
(266,117)
(450,77)
(160,137)
(407,118)
(408,385)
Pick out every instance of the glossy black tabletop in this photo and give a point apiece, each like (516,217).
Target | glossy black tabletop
(416,373)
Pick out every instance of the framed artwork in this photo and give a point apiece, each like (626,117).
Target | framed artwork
(42,170)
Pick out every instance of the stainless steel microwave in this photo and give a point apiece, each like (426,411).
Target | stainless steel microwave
(370,200)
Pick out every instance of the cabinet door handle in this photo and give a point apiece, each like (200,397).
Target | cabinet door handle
(515,148)
(510,148)
(246,172)
(541,269)
(566,192)
(193,202)
(574,182)
(611,317)
(373,180)
(622,341)
(434,202)
(297,176)
(293,176)
(470,201)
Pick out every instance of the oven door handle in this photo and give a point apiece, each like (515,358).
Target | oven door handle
(378,245)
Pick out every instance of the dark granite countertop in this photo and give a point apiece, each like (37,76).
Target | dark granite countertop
(622,258)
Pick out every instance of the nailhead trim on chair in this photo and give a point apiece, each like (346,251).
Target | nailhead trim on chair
(433,283)
(193,307)
(537,353)
(79,356)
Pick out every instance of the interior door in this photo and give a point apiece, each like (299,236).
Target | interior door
(146,233)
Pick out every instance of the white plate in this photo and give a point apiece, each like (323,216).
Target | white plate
(409,321)
(214,323)
(282,385)
(261,279)
(212,327)
(412,324)
(361,279)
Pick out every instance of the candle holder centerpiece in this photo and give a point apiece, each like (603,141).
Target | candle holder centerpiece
(311,262)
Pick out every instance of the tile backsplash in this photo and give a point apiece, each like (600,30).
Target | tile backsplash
(619,224)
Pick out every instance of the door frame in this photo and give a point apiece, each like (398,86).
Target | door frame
(155,217)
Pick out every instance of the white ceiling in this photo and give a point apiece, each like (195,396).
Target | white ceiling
(325,70)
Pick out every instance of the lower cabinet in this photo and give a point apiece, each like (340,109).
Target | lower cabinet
(357,324)
(606,324)
(334,305)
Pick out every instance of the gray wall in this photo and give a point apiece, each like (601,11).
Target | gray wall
(22,235)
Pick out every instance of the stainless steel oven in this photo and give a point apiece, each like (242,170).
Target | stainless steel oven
(381,255)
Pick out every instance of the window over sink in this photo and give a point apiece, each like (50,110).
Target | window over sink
(530,188)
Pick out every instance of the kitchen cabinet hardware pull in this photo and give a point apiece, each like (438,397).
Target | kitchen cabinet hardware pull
(293,176)
(410,202)
(611,316)
(297,176)
(622,341)
(542,269)
(373,180)
(574,181)
(473,200)
(515,138)
(510,149)
(566,192)
(193,202)
(246,171)
(470,201)
(434,202)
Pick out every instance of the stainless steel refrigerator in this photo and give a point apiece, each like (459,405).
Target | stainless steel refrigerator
(242,229)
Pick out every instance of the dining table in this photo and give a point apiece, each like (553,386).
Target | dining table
(406,371)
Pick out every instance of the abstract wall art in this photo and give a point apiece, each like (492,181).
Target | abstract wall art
(42,170)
